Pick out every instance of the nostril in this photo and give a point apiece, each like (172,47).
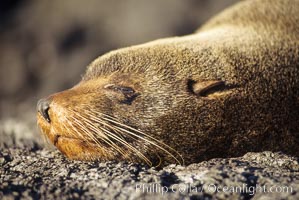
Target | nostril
(43,107)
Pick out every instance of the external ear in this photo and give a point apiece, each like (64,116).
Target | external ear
(205,88)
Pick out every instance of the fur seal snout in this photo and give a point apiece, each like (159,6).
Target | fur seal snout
(230,88)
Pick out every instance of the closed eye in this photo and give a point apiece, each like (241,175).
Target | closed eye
(128,92)
(123,89)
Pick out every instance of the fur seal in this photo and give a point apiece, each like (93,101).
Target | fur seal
(230,88)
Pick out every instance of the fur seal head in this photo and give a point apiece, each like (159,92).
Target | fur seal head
(230,88)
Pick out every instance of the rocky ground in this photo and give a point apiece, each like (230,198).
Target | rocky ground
(31,171)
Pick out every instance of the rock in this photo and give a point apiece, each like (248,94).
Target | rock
(40,173)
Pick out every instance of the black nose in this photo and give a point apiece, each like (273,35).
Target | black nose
(43,107)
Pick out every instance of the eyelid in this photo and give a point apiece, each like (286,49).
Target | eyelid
(123,89)
(108,86)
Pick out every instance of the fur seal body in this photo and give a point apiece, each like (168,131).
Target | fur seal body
(230,88)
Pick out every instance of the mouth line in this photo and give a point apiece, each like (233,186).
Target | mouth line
(85,142)
(62,140)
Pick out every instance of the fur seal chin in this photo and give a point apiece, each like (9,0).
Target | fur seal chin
(228,89)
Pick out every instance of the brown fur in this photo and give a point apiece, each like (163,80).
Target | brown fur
(230,88)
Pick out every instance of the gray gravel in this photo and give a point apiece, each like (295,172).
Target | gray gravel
(31,171)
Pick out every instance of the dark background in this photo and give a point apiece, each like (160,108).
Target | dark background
(46,45)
